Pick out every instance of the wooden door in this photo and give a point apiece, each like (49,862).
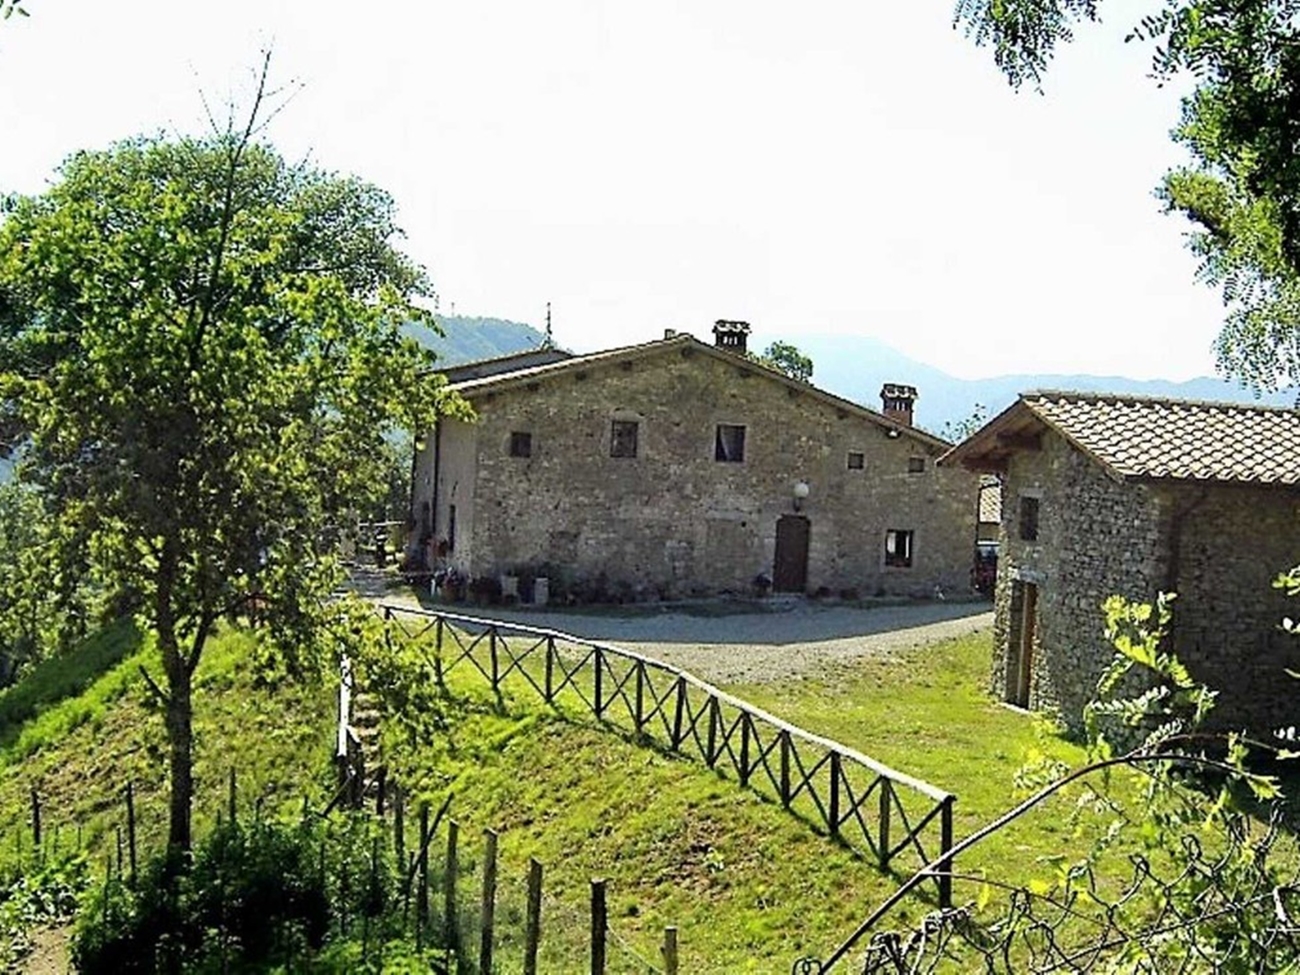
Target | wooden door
(1025,645)
(790,567)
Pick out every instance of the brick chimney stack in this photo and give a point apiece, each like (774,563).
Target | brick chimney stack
(897,400)
(730,335)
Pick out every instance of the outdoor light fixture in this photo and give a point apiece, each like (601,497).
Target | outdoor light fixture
(800,492)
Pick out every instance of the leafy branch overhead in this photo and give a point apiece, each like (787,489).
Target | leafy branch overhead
(1240,126)
(201,351)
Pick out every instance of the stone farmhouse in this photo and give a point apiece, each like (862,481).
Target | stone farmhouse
(1133,496)
(676,467)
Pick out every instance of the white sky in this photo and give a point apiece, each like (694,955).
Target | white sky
(828,166)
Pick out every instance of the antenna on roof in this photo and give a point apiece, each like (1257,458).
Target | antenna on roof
(549,341)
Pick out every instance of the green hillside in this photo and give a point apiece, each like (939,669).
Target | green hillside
(470,339)
(749,886)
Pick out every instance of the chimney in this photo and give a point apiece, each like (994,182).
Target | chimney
(897,400)
(670,333)
(730,335)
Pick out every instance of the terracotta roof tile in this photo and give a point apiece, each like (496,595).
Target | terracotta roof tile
(1147,437)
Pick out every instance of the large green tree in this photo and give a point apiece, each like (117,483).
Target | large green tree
(200,352)
(1241,127)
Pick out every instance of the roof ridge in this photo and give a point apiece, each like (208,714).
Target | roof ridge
(1096,396)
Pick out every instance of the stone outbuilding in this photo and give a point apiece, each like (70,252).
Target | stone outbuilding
(676,467)
(1134,496)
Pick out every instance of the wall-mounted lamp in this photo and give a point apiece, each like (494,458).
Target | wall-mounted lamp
(800,492)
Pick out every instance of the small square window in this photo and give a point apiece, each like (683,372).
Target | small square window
(1029,519)
(898,548)
(916,465)
(729,443)
(521,444)
(857,460)
(622,438)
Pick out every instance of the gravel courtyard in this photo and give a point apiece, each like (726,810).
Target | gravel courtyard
(775,643)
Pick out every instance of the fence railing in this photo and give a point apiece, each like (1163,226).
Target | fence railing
(880,813)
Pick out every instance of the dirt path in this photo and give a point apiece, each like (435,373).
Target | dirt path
(767,645)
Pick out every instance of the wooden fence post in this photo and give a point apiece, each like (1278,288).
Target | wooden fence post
(679,713)
(449,888)
(36,820)
(489,903)
(639,717)
(670,950)
(785,769)
(422,888)
(710,752)
(886,794)
(549,694)
(381,786)
(492,654)
(130,827)
(438,675)
(745,722)
(233,796)
(834,805)
(533,932)
(945,846)
(599,658)
(599,925)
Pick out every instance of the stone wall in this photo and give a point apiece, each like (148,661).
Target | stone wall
(1096,537)
(1231,543)
(673,520)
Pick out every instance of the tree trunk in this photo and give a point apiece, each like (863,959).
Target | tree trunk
(180,738)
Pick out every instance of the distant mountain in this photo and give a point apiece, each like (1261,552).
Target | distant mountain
(468,339)
(855,367)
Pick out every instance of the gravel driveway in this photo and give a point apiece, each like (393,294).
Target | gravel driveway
(770,644)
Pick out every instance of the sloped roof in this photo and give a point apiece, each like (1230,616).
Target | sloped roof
(471,388)
(1147,438)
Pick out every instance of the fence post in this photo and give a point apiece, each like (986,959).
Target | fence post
(381,786)
(744,748)
(945,846)
(670,950)
(437,653)
(710,754)
(130,826)
(640,698)
(449,888)
(785,769)
(422,890)
(834,804)
(533,932)
(886,794)
(599,658)
(599,925)
(36,820)
(549,694)
(496,666)
(489,903)
(679,713)
(233,795)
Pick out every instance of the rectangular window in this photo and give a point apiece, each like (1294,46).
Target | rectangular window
(1029,519)
(729,443)
(898,548)
(916,465)
(622,438)
(857,460)
(521,444)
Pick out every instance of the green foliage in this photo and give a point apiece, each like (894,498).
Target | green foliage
(786,358)
(45,894)
(202,350)
(957,432)
(1242,190)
